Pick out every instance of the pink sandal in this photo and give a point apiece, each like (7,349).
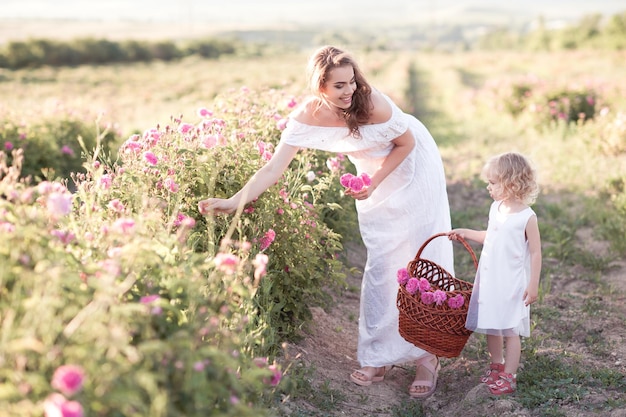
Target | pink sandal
(431,385)
(491,375)
(506,384)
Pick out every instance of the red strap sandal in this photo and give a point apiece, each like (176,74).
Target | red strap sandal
(506,384)
(491,375)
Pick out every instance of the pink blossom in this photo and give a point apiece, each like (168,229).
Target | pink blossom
(171,185)
(280,211)
(428,297)
(276,375)
(105,181)
(203,112)
(66,150)
(209,141)
(281,124)
(57,406)
(260,263)
(424,285)
(367,181)
(59,204)
(150,158)
(124,226)
(267,239)
(66,237)
(456,301)
(310,176)
(345,179)
(132,146)
(68,379)
(198,366)
(267,155)
(116,205)
(403,276)
(8,146)
(356,184)
(412,285)
(226,262)
(185,128)
(148,299)
(439,297)
(292,103)
(333,164)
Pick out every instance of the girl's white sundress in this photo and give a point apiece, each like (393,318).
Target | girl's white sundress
(408,207)
(497,305)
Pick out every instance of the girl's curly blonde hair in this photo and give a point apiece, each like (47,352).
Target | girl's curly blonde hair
(516,176)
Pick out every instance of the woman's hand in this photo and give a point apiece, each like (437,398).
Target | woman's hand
(216,205)
(362,194)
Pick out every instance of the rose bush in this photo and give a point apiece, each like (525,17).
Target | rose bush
(120,298)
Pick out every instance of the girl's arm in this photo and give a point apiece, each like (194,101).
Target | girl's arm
(259,182)
(468,234)
(534,246)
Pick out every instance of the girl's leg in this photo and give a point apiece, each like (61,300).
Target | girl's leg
(507,380)
(495,347)
(513,354)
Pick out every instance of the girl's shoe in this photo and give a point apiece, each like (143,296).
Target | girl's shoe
(491,375)
(505,384)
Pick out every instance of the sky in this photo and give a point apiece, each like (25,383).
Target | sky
(276,12)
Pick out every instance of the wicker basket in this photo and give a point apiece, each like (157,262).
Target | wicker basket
(438,329)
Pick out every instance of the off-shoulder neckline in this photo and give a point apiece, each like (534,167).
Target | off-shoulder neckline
(393,111)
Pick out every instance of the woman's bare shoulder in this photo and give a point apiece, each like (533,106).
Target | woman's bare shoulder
(381,109)
(311,113)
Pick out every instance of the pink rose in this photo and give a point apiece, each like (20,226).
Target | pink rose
(412,285)
(440,297)
(424,285)
(345,179)
(68,379)
(456,301)
(428,297)
(403,276)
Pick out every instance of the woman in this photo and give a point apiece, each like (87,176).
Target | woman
(405,203)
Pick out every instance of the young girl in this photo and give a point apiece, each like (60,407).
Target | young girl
(507,279)
(405,204)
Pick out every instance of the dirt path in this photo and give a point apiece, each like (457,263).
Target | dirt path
(329,350)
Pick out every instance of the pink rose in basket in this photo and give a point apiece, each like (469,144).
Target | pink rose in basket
(456,301)
(439,297)
(428,297)
(412,285)
(403,276)
(424,285)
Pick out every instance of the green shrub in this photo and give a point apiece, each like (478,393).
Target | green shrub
(53,145)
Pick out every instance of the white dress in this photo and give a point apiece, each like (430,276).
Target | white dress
(408,207)
(497,305)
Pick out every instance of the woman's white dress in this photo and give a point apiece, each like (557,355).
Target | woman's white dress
(408,207)
(497,302)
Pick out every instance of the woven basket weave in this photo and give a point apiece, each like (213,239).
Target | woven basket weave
(438,329)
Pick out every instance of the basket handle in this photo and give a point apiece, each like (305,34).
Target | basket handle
(459,239)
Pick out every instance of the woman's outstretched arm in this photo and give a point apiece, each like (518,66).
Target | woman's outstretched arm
(259,182)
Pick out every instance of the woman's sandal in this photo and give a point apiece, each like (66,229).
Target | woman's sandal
(430,384)
(491,375)
(365,377)
(506,384)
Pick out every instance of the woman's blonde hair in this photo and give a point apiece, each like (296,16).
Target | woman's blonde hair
(321,63)
(516,175)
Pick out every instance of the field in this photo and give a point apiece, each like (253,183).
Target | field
(573,361)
